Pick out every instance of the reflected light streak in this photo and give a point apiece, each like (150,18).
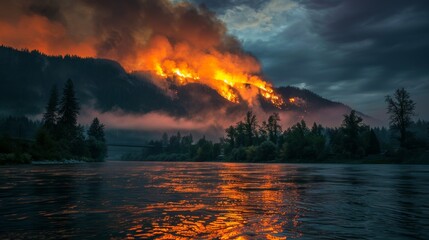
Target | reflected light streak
(239,205)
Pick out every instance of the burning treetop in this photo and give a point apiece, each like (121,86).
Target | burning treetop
(179,42)
(234,76)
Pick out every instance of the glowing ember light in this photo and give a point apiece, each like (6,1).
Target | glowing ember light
(159,71)
(233,75)
(185,44)
(224,84)
(292,100)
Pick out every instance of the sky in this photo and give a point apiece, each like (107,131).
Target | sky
(351,51)
(355,52)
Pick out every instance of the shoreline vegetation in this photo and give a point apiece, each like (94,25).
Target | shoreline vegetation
(57,138)
(353,142)
(332,151)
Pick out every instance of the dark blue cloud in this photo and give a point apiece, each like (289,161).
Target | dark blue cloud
(351,51)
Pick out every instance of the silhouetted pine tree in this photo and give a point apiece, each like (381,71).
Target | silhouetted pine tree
(51,115)
(352,127)
(96,130)
(240,134)
(96,142)
(68,112)
(250,125)
(230,137)
(273,127)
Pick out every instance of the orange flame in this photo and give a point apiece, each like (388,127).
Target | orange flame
(178,42)
(233,76)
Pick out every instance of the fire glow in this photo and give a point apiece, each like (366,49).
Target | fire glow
(175,42)
(233,76)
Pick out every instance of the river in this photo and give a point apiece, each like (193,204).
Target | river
(140,200)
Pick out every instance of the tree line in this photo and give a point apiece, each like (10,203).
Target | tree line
(252,142)
(354,141)
(59,136)
(178,148)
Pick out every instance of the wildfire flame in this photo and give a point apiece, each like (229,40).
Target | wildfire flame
(176,41)
(233,76)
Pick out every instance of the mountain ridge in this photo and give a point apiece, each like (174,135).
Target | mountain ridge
(26,78)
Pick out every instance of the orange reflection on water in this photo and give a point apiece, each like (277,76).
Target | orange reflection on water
(231,203)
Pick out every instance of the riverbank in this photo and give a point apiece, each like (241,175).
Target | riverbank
(405,157)
(24,158)
(54,162)
(400,156)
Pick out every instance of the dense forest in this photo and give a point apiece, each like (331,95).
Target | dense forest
(354,141)
(103,85)
(57,137)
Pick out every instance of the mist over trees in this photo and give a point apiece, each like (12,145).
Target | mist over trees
(61,137)
(103,85)
(58,137)
(353,141)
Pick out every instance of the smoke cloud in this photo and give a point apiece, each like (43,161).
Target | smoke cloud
(177,42)
(117,30)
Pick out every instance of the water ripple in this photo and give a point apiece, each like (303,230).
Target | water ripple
(136,200)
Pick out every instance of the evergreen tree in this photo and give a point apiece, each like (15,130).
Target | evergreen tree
(174,143)
(352,127)
(296,141)
(186,143)
(96,143)
(352,124)
(68,111)
(317,129)
(204,150)
(250,125)
(317,142)
(263,132)
(51,115)
(96,130)
(230,136)
(303,143)
(273,127)
(401,108)
(240,134)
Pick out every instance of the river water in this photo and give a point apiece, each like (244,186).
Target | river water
(140,200)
